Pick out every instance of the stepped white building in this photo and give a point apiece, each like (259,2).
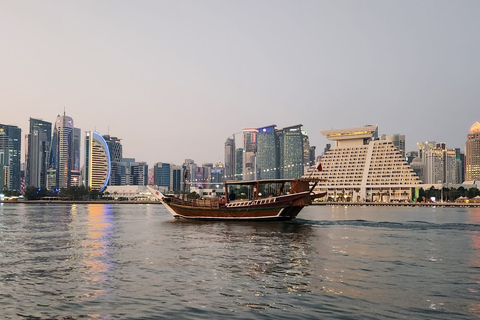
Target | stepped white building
(361,167)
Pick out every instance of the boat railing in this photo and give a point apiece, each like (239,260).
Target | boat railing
(238,204)
(199,203)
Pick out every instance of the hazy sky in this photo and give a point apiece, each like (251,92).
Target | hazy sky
(175,79)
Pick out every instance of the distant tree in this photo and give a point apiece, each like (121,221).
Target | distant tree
(472,193)
(421,195)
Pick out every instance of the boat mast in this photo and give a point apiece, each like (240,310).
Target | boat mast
(184,184)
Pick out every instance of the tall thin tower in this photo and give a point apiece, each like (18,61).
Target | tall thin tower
(62,155)
(472,154)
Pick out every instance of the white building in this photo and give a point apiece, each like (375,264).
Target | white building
(361,167)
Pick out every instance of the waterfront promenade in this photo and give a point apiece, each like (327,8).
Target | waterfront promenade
(319,203)
(400,204)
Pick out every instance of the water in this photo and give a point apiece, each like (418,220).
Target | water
(137,262)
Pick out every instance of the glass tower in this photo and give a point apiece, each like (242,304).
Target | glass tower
(37,152)
(10,144)
(267,153)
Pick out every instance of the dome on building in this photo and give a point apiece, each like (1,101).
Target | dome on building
(475,127)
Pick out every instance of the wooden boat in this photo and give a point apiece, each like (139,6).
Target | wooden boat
(275,199)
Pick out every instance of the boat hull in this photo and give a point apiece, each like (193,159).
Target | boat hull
(280,208)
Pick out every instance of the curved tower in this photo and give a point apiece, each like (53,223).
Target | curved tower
(472,154)
(97,161)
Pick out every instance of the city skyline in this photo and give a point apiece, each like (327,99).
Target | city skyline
(160,75)
(239,142)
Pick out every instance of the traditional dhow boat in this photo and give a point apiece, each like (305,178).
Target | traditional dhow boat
(276,199)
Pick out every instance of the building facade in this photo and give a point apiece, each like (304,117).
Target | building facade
(249,154)
(37,153)
(230,159)
(442,165)
(361,167)
(398,141)
(97,161)
(291,152)
(10,154)
(65,153)
(472,154)
(267,153)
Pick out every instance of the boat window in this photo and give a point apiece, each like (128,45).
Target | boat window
(274,189)
(240,192)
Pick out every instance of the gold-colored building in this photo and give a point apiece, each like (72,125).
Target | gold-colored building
(472,154)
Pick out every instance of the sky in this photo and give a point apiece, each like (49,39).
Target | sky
(175,79)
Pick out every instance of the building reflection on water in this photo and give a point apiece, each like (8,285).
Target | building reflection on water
(475,219)
(97,242)
(96,255)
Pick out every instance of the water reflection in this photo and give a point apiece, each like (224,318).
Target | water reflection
(475,218)
(255,262)
(96,249)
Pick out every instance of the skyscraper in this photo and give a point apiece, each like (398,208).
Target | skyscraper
(115,148)
(65,152)
(37,152)
(472,154)
(249,154)
(10,149)
(230,159)
(97,161)
(267,153)
(291,152)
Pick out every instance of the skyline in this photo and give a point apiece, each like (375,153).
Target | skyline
(160,75)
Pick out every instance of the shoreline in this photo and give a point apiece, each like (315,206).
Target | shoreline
(79,202)
(319,203)
(399,204)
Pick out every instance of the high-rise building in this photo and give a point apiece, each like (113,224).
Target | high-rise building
(267,153)
(115,148)
(75,179)
(162,174)
(136,172)
(65,152)
(249,154)
(271,153)
(442,165)
(10,150)
(291,152)
(97,161)
(472,154)
(217,173)
(230,159)
(398,141)
(362,168)
(37,153)
(239,164)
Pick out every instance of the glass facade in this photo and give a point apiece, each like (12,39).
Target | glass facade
(10,150)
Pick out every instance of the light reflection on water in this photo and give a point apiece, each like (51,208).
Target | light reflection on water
(137,262)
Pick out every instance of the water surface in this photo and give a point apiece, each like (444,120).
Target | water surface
(124,261)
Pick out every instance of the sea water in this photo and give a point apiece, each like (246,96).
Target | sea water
(127,261)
